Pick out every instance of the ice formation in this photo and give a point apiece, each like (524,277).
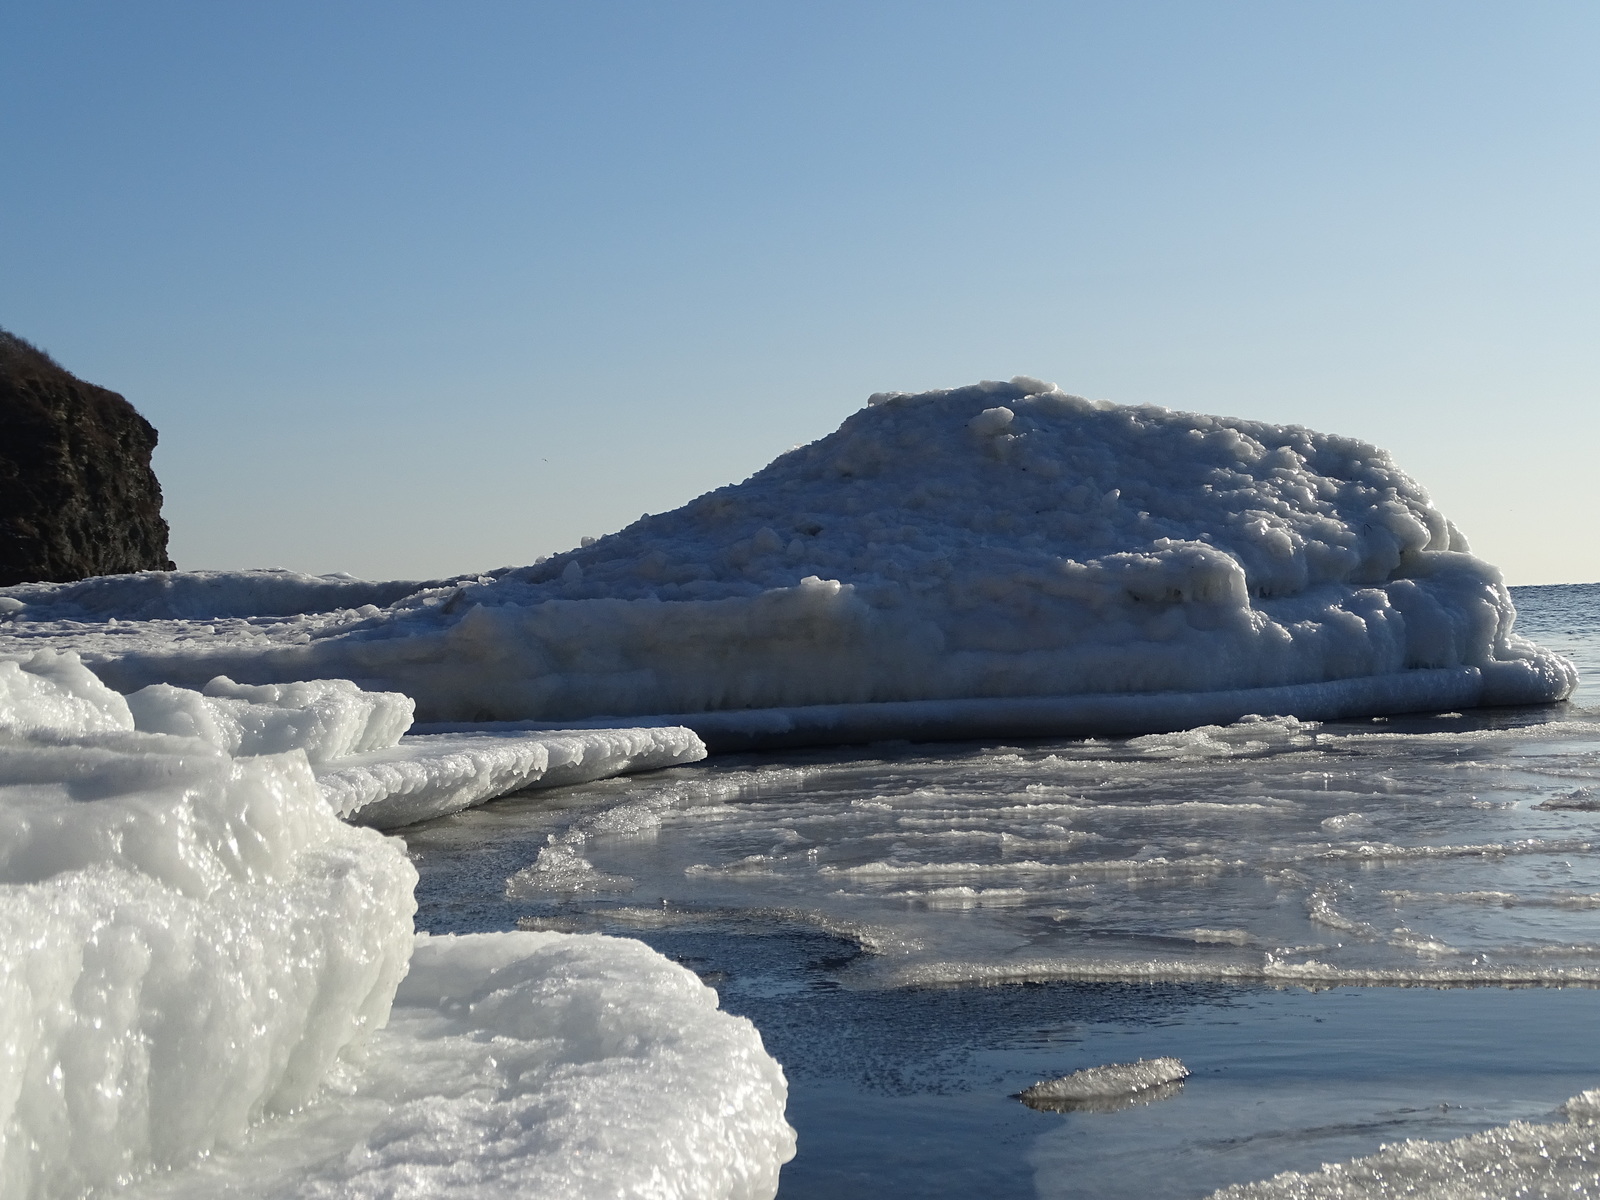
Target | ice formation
(1519,1159)
(187,940)
(197,958)
(1114,1079)
(354,739)
(1110,1088)
(531,1064)
(428,776)
(1002,558)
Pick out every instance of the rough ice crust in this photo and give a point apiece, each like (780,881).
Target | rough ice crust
(1520,1159)
(187,941)
(1004,543)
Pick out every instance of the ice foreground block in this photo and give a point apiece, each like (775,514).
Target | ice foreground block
(197,958)
(1032,561)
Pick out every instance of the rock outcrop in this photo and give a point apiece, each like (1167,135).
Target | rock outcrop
(77,495)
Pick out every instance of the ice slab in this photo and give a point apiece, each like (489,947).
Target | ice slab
(1001,542)
(429,776)
(203,595)
(369,772)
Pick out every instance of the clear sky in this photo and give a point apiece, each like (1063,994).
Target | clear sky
(412,289)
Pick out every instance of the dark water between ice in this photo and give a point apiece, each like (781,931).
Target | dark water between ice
(821,893)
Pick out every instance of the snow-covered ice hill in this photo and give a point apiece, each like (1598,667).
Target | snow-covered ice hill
(1001,559)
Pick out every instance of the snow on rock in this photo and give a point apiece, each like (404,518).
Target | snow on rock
(1005,549)
(197,958)
(1519,1159)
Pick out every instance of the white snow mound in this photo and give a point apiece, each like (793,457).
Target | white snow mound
(1001,544)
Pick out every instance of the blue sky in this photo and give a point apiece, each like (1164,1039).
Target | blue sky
(412,289)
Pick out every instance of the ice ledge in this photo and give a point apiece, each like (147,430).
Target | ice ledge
(1536,681)
(432,776)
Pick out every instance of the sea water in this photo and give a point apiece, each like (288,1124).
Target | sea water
(1350,933)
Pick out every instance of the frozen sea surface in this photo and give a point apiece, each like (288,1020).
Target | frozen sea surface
(920,933)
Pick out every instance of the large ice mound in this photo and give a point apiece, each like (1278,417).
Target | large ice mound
(1004,544)
(197,957)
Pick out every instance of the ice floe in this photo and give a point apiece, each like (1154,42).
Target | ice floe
(997,560)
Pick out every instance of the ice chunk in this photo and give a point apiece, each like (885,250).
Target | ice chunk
(997,544)
(530,1064)
(1093,1087)
(47,692)
(327,718)
(197,957)
(187,942)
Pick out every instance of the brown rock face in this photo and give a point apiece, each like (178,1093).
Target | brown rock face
(77,495)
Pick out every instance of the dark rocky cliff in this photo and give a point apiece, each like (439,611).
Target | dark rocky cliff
(77,495)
